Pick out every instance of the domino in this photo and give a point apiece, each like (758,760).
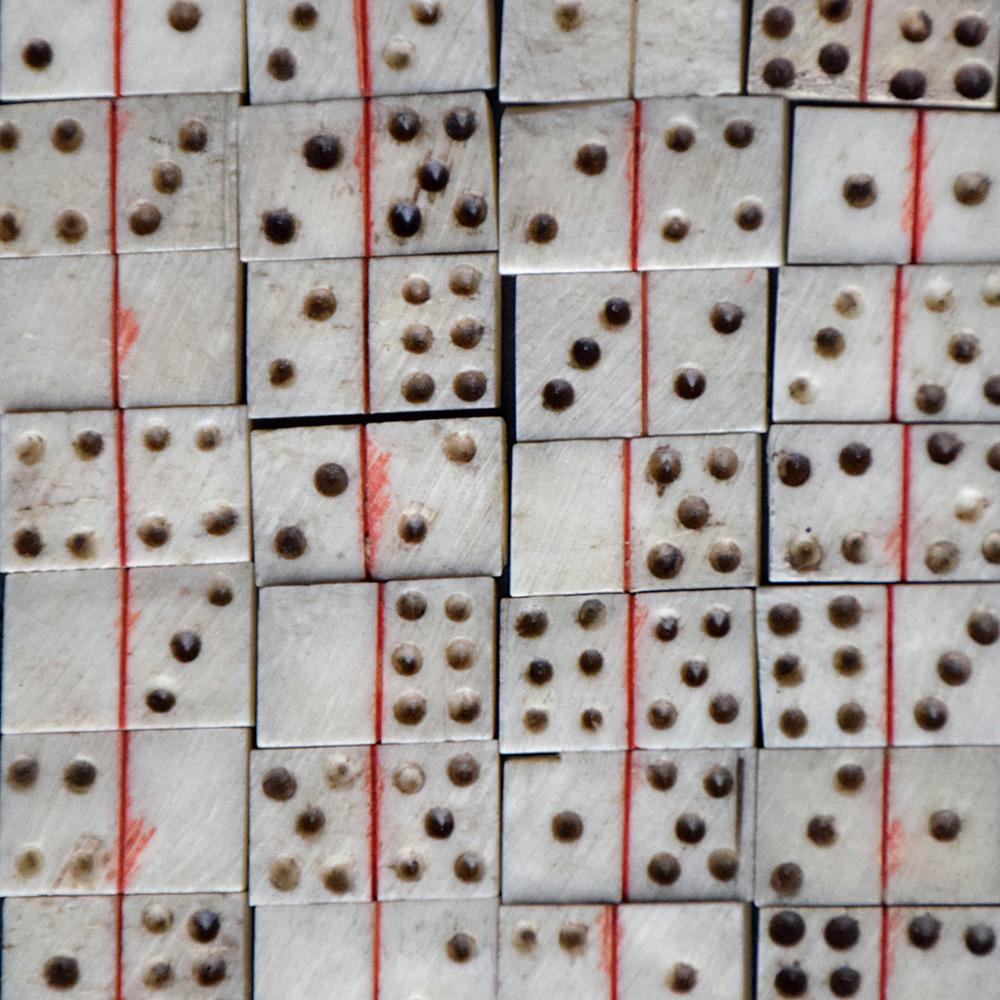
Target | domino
(310,826)
(739,222)
(433,333)
(823,654)
(690,825)
(856,540)
(59,944)
(941,640)
(953,503)
(69,458)
(819,827)
(438,822)
(187,482)
(176,172)
(68,144)
(563,679)
(833,349)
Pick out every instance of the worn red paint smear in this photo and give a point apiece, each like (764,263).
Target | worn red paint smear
(133,833)
(626,470)
(919,210)
(607,929)
(127,333)
(887,953)
(377,501)
(866,45)
(632,166)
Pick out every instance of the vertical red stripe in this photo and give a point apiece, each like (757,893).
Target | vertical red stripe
(636,193)
(119,940)
(373,818)
(366,389)
(363,476)
(117,10)
(920,216)
(904,519)
(630,674)
(626,473)
(367,140)
(379,655)
(376,949)
(866,45)
(898,317)
(626,823)
(890,677)
(886,832)
(644,362)
(362,57)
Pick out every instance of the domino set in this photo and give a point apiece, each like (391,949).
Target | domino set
(499,497)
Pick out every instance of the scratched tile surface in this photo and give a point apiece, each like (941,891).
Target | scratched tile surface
(499,497)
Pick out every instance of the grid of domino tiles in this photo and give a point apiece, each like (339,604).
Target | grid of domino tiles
(629,643)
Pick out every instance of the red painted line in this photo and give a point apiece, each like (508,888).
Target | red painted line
(626,824)
(886,832)
(119,939)
(376,950)
(122,489)
(866,46)
(633,166)
(890,676)
(117,10)
(644,333)
(630,673)
(365,168)
(373,818)
(920,214)
(362,51)
(123,755)
(904,519)
(379,656)
(898,321)
(366,385)
(363,474)
(626,470)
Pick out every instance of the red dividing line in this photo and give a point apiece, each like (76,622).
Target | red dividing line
(366,390)
(367,139)
(116,41)
(361,47)
(920,216)
(613,957)
(886,832)
(626,822)
(890,677)
(376,949)
(630,673)
(866,45)
(636,193)
(898,319)
(373,818)
(626,470)
(904,519)
(379,654)
(644,333)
